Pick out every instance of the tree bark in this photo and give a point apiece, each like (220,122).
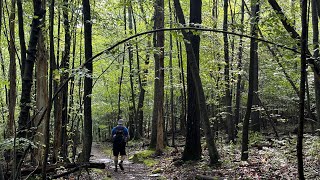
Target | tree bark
(228,97)
(255,115)
(304,48)
(25,100)
(315,27)
(159,77)
(213,153)
(239,77)
(42,88)
(22,40)
(64,93)
(192,150)
(12,71)
(251,93)
(138,117)
(130,50)
(87,123)
(183,98)
(173,127)
(57,103)
(123,58)
(52,67)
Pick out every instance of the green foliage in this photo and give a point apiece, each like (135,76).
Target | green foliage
(255,138)
(145,157)
(20,143)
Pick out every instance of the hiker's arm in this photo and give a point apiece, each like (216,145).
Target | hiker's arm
(113,132)
(126,133)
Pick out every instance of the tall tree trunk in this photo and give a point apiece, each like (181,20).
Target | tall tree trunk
(183,98)
(315,21)
(12,71)
(123,58)
(159,76)
(200,97)
(42,88)
(143,82)
(252,66)
(192,150)
(228,97)
(87,123)
(52,67)
(25,100)
(57,103)
(22,40)
(173,127)
(1,55)
(130,49)
(255,115)
(64,93)
(238,88)
(139,111)
(304,48)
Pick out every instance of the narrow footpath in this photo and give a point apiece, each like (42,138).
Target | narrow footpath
(131,170)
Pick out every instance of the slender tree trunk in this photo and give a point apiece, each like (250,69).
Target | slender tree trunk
(304,49)
(12,71)
(72,115)
(138,117)
(192,150)
(255,115)
(1,56)
(173,127)
(52,67)
(87,123)
(315,21)
(183,98)
(252,66)
(239,77)
(130,48)
(57,103)
(42,88)
(22,40)
(64,93)
(228,97)
(159,76)
(308,104)
(213,153)
(122,67)
(25,100)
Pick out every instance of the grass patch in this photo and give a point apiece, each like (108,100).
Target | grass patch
(150,162)
(144,157)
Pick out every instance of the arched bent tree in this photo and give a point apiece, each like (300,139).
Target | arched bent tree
(184,30)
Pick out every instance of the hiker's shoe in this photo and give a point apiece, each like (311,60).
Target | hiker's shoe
(116,169)
(121,165)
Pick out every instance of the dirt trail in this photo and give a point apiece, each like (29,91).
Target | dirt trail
(131,170)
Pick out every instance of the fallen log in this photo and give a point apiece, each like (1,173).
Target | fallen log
(54,167)
(75,169)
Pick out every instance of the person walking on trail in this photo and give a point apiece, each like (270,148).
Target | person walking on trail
(120,135)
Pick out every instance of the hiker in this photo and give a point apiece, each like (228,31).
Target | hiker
(120,135)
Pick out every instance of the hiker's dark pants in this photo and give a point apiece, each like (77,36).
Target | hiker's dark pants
(119,149)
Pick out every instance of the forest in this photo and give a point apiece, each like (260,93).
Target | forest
(207,89)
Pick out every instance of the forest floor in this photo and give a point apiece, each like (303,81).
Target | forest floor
(269,158)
